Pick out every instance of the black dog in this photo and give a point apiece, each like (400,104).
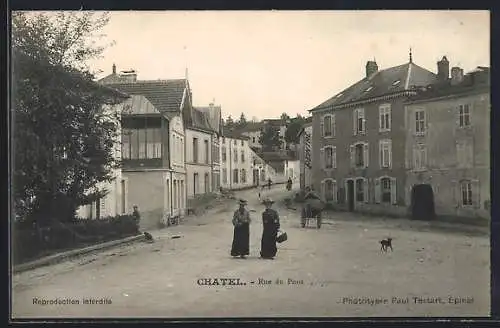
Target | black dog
(386,243)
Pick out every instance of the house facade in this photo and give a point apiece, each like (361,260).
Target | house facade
(358,140)
(153,144)
(115,201)
(448,146)
(214,121)
(305,156)
(198,161)
(236,162)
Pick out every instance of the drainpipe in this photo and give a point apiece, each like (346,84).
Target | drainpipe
(211,161)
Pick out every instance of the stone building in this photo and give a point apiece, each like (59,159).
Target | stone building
(358,139)
(448,147)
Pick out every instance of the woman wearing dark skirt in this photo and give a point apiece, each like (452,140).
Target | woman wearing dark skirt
(271,223)
(241,237)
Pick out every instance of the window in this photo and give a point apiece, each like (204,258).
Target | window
(253,139)
(329,190)
(420,122)
(464,115)
(235,151)
(360,190)
(196,183)
(224,176)
(359,121)
(419,157)
(207,183)
(243,176)
(242,143)
(385,153)
(153,137)
(223,139)
(359,155)
(207,151)
(235,175)
(466,188)
(175,195)
(328,126)
(224,155)
(126,144)
(242,156)
(385,185)
(384,118)
(195,150)
(134,144)
(235,142)
(142,143)
(330,159)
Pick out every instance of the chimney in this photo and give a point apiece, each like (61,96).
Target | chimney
(129,76)
(457,75)
(443,69)
(371,68)
(114,69)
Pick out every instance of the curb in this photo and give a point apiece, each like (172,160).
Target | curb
(59,257)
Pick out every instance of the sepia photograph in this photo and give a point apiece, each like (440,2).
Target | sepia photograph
(250,164)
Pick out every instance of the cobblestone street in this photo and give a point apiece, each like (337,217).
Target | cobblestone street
(323,271)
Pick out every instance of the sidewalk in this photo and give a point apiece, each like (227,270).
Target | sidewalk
(58,257)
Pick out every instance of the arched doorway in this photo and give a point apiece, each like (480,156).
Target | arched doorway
(422,202)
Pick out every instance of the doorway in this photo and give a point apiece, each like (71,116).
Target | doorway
(350,195)
(422,202)
(255,177)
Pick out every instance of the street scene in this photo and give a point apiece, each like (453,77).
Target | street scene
(218,173)
(342,260)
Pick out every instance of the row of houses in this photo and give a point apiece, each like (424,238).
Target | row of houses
(171,152)
(403,140)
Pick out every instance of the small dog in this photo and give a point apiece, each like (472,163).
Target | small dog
(386,243)
(149,237)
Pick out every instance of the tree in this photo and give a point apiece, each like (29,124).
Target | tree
(229,122)
(270,138)
(64,126)
(284,117)
(243,121)
(293,129)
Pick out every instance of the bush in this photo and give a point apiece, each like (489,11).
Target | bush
(29,242)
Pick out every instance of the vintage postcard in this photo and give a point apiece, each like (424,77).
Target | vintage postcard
(256,164)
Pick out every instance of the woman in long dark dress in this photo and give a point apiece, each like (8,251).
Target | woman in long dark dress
(241,237)
(271,222)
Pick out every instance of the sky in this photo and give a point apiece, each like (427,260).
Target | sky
(264,63)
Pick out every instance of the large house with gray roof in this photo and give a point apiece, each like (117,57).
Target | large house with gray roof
(358,139)
(153,143)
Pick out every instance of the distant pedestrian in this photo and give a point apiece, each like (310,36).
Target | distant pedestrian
(136,215)
(271,223)
(241,236)
(269,182)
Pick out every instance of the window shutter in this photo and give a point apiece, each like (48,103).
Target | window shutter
(381,153)
(476,199)
(377,190)
(334,157)
(345,191)
(335,198)
(457,111)
(390,153)
(414,157)
(365,154)
(323,193)
(333,125)
(351,150)
(365,190)
(355,122)
(322,126)
(394,199)
(322,158)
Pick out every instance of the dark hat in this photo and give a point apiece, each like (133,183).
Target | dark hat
(242,201)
